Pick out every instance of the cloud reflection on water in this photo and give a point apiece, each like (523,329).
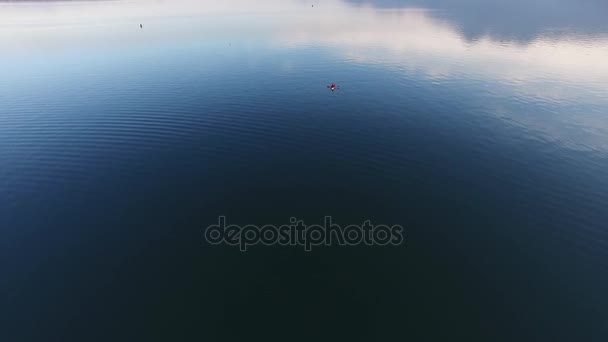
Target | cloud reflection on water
(516,20)
(407,37)
(554,64)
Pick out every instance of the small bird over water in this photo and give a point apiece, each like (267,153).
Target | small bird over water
(141,26)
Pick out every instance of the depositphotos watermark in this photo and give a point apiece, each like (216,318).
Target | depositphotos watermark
(299,234)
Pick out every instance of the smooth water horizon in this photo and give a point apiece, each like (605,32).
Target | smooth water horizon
(481,127)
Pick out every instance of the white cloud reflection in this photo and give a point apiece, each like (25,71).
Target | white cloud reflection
(548,68)
(406,37)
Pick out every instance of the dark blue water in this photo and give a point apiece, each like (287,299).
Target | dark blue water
(486,139)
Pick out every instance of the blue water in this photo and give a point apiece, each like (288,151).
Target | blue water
(480,126)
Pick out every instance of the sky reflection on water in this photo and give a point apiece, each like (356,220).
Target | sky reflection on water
(528,57)
(479,125)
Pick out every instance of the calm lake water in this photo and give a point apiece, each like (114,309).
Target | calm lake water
(480,126)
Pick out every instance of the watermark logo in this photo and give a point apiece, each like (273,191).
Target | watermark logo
(296,233)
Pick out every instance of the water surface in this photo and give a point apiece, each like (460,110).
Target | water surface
(478,125)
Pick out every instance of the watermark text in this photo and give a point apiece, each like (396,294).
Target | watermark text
(296,233)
